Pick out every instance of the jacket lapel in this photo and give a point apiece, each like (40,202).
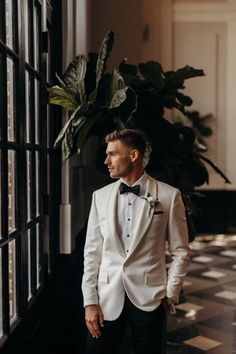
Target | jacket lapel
(112,217)
(146,213)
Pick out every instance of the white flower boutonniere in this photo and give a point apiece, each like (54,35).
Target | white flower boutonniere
(151,201)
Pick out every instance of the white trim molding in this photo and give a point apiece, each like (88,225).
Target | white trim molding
(200,12)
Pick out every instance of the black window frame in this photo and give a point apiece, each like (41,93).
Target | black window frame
(49,191)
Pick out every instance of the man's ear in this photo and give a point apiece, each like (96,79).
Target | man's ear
(134,155)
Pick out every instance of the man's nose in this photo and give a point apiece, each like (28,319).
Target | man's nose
(106,162)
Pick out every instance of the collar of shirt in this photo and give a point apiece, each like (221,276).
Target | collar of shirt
(141,181)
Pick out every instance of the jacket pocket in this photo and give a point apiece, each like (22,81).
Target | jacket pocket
(103,277)
(155,278)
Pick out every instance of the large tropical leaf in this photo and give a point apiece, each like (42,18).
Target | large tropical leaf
(60,97)
(68,146)
(85,131)
(129,69)
(104,52)
(118,90)
(61,82)
(128,107)
(152,72)
(183,99)
(175,79)
(74,77)
(66,126)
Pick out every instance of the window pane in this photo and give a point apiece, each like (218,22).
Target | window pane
(1,329)
(49,59)
(2,23)
(48,174)
(37,182)
(36,92)
(38,256)
(28,183)
(26,21)
(11,190)
(48,125)
(29,264)
(12,280)
(37,31)
(47,242)
(27,107)
(0,196)
(10,100)
(9,23)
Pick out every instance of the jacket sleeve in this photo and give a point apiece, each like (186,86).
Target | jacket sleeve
(177,236)
(92,256)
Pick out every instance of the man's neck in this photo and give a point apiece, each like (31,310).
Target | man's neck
(134,177)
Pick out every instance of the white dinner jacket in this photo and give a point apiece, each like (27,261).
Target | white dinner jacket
(109,272)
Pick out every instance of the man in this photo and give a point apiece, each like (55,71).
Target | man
(125,276)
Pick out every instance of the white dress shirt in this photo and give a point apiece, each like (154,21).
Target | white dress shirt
(128,206)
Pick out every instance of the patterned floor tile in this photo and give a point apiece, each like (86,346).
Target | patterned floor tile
(202,259)
(225,323)
(194,284)
(213,274)
(196,267)
(203,343)
(228,253)
(187,306)
(208,308)
(187,283)
(206,314)
(229,295)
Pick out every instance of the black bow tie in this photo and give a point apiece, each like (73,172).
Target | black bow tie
(127,189)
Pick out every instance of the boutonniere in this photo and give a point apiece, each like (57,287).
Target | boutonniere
(153,202)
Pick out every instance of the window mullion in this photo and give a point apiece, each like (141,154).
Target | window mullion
(5,290)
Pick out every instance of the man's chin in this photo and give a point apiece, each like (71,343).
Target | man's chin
(113,175)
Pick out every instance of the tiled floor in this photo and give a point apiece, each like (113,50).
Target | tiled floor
(205,319)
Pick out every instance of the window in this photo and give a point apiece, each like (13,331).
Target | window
(29,181)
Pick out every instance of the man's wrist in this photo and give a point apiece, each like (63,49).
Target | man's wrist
(169,300)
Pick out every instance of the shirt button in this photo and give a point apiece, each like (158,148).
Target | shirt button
(126,264)
(128,235)
(127,251)
(130,203)
(128,219)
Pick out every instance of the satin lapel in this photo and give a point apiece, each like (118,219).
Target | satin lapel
(146,214)
(111,218)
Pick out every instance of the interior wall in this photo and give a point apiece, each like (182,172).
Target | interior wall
(142,29)
(199,1)
(203,38)
(203,46)
(124,18)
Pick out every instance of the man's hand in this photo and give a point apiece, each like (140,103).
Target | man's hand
(169,301)
(94,320)
(169,305)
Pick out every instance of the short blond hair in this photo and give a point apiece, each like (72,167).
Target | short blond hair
(133,138)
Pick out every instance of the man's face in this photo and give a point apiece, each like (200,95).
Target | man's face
(119,160)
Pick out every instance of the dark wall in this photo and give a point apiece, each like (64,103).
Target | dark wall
(217,212)
(70,316)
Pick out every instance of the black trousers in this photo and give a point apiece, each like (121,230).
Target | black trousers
(148,332)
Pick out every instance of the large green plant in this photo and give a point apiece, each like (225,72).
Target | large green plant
(133,96)
(90,94)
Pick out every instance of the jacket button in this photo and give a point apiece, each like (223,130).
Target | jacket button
(126,264)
